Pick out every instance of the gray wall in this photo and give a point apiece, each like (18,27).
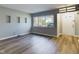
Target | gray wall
(12,29)
(44,30)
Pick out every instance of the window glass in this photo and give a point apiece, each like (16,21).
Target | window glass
(50,21)
(44,21)
(35,24)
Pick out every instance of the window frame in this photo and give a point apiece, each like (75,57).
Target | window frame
(40,24)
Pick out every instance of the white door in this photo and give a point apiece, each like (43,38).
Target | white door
(68,23)
(77,23)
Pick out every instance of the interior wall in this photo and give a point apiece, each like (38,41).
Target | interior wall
(13,28)
(59,24)
(77,23)
(44,30)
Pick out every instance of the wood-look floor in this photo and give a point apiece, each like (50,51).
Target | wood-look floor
(35,44)
(28,44)
(68,44)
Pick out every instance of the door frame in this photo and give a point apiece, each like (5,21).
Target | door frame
(59,26)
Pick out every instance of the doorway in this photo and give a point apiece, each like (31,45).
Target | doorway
(66,23)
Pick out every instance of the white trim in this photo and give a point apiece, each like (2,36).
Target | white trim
(8,37)
(58,24)
(12,36)
(24,34)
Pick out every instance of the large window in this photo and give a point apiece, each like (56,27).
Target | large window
(44,21)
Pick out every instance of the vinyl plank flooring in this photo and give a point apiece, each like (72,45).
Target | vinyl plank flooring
(35,44)
(26,44)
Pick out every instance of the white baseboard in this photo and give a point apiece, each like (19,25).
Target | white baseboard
(13,36)
(8,37)
(24,34)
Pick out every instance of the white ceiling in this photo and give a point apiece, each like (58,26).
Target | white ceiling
(32,8)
